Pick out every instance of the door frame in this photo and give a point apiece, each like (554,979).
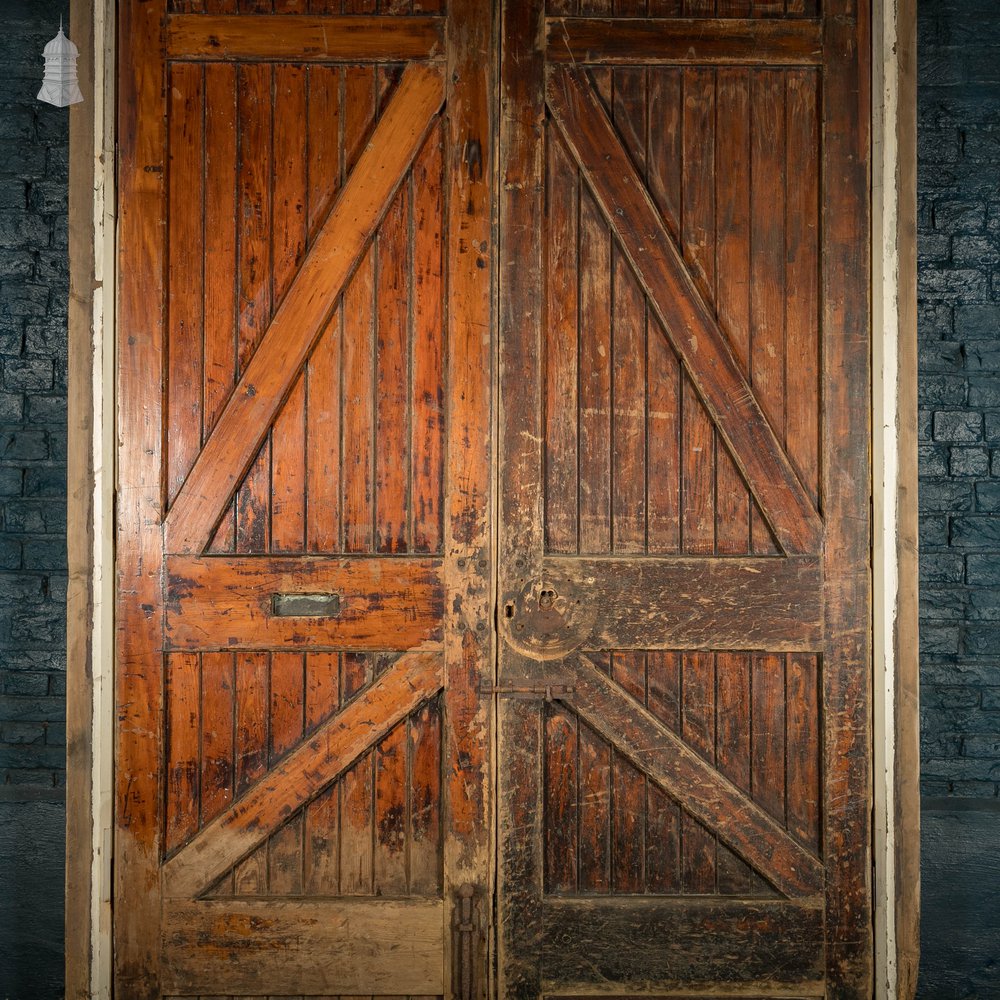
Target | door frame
(90,516)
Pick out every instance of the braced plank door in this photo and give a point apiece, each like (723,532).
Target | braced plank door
(304,405)
(683,679)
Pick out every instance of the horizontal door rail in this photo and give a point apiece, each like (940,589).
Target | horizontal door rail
(299,38)
(703,41)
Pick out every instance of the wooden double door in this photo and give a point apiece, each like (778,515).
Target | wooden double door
(493,499)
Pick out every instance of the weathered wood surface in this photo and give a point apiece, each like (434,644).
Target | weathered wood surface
(681,308)
(469,390)
(297,38)
(138,617)
(347,947)
(226,602)
(684,40)
(520,858)
(302,315)
(659,945)
(692,781)
(690,603)
(303,774)
(847,682)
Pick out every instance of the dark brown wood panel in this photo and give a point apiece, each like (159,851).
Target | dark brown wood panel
(650,843)
(685,9)
(664,249)
(669,467)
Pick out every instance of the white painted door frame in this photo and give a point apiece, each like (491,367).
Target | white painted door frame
(90,720)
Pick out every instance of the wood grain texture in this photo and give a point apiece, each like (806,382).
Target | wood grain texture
(698,41)
(845,277)
(681,308)
(709,603)
(304,311)
(470,255)
(304,39)
(140,361)
(225,602)
(304,773)
(520,862)
(311,947)
(703,792)
(658,945)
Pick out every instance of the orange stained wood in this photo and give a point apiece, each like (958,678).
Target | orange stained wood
(300,318)
(314,764)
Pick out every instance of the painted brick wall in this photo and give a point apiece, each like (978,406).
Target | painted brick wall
(959,382)
(33,300)
(34,288)
(959,290)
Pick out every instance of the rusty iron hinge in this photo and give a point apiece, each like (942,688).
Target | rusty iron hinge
(467,934)
(529,692)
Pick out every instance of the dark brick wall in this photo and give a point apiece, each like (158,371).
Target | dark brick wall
(33,301)
(959,290)
(959,384)
(34,288)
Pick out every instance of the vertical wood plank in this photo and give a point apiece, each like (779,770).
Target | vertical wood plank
(391,819)
(217,733)
(285,859)
(183,746)
(139,661)
(595,812)
(698,731)
(255,301)
(663,840)
(358,345)
(803,749)
(357,672)
(595,379)
(628,826)
(846,471)
(321,816)
(629,409)
(767,309)
(561,801)
(251,718)
(424,838)
(561,348)
(427,282)
(220,240)
(185,282)
(733,284)
(521,829)
(732,752)
(392,407)
(323,382)
(321,843)
(663,423)
(289,235)
(322,684)
(802,277)
(358,405)
(768,735)
(287,690)
(698,245)
(221,262)
(356,829)
(628,348)
(467,725)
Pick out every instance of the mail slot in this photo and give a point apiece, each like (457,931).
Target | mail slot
(305,605)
